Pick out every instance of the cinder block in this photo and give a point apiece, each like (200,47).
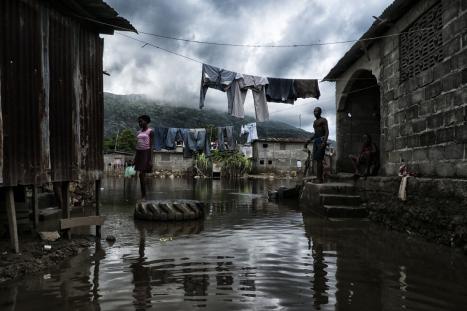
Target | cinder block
(394,156)
(436,153)
(453,46)
(461,134)
(411,113)
(445,135)
(435,121)
(425,77)
(420,154)
(401,142)
(428,138)
(453,99)
(461,169)
(441,69)
(433,89)
(413,141)
(445,169)
(451,10)
(419,125)
(426,168)
(452,81)
(454,151)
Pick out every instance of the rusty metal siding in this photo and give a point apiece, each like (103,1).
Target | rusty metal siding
(91,108)
(21,85)
(51,95)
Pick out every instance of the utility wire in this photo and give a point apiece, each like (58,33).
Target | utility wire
(280,45)
(252,45)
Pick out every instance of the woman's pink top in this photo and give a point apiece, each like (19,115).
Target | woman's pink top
(143,140)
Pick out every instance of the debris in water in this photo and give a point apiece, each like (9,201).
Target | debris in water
(47,276)
(47,247)
(110,238)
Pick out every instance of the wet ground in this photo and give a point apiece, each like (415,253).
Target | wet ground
(247,254)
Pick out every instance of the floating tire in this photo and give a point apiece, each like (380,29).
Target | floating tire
(169,210)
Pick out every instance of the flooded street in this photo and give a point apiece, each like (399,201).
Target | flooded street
(247,254)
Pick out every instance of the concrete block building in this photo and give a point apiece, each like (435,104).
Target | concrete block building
(278,155)
(407,89)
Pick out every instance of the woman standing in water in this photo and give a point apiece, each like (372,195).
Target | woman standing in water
(143,157)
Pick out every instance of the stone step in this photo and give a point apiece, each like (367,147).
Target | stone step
(341,211)
(46,200)
(340,199)
(337,188)
(50,213)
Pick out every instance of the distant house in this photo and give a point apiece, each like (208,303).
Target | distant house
(51,94)
(278,155)
(407,89)
(172,161)
(115,161)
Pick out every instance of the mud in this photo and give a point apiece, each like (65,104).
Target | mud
(34,258)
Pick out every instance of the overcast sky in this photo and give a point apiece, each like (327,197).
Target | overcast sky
(160,75)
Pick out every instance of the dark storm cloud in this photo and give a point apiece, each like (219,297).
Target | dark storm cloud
(168,77)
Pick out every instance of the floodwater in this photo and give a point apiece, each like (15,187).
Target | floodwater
(247,254)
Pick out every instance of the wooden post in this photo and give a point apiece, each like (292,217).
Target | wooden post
(11,212)
(35,206)
(97,196)
(65,194)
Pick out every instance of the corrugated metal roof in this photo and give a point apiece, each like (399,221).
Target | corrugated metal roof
(97,12)
(392,13)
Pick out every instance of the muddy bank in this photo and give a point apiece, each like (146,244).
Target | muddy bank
(34,258)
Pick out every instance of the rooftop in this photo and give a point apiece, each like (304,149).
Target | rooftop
(382,24)
(96,12)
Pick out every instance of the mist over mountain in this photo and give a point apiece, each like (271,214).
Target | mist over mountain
(122,111)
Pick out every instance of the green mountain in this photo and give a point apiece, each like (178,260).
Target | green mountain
(122,111)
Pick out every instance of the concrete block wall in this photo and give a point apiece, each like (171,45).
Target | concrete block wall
(172,161)
(424,119)
(281,160)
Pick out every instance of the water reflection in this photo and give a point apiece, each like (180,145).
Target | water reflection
(246,254)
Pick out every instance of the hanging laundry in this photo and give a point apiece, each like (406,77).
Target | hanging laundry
(213,77)
(160,138)
(281,91)
(237,94)
(249,128)
(225,135)
(306,88)
(247,151)
(195,141)
(173,136)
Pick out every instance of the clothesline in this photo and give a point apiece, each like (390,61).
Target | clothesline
(255,45)
(146,43)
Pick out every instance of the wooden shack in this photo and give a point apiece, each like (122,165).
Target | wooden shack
(51,94)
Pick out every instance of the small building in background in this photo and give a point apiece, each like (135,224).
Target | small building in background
(116,161)
(172,161)
(279,155)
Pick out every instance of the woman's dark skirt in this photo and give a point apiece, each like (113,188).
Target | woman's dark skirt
(143,161)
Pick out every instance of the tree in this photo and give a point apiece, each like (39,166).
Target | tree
(126,141)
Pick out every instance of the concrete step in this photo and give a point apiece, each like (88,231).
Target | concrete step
(337,188)
(341,211)
(340,199)
(50,213)
(46,200)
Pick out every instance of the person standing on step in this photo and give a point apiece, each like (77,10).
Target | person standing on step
(319,140)
(143,156)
